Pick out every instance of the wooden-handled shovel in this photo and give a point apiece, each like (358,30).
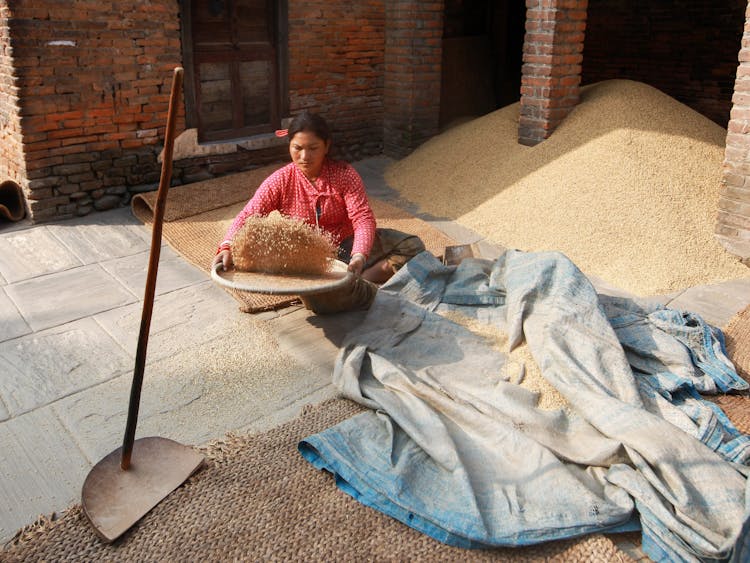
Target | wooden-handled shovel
(130,481)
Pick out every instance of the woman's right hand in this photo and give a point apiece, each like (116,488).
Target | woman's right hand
(225,259)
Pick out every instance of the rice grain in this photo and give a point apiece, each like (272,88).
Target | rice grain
(627,187)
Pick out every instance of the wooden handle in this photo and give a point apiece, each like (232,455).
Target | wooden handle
(153,266)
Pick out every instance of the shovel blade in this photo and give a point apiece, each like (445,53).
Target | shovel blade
(114,499)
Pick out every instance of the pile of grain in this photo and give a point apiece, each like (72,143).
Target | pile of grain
(627,187)
(282,245)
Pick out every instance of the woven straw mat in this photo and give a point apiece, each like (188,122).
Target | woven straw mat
(258,499)
(197,216)
(737,334)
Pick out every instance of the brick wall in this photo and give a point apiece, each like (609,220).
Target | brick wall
(93,82)
(686,48)
(413,58)
(733,218)
(11,150)
(336,68)
(551,71)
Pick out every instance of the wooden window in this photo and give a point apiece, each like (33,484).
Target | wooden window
(235,52)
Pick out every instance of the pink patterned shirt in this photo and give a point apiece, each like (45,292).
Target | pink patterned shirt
(338,196)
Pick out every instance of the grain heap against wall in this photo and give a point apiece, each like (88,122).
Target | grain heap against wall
(282,245)
(627,187)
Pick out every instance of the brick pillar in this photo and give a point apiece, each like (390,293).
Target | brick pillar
(413,53)
(733,218)
(12,165)
(551,72)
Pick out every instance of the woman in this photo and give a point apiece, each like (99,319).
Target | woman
(331,195)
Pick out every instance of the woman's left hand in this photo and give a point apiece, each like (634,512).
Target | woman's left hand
(357,264)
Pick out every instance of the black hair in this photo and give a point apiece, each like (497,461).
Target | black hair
(311,122)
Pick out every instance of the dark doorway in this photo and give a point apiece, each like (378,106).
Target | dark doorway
(482,57)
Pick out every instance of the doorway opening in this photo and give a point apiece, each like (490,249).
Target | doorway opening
(482,57)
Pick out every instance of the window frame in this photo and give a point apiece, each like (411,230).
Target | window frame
(279,102)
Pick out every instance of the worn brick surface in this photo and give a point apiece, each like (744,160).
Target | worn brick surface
(413,55)
(733,217)
(336,58)
(92,78)
(11,148)
(552,58)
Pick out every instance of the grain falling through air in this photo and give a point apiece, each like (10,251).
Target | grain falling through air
(627,187)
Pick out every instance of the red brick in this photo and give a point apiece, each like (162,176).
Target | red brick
(740,113)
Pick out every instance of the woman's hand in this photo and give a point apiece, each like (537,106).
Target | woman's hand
(225,259)
(357,264)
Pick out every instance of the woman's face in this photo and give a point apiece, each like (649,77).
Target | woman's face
(308,152)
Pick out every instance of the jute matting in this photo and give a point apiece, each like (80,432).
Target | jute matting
(197,216)
(257,499)
(737,334)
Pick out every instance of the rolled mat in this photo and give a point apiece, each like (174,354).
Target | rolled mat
(258,499)
(197,216)
(11,201)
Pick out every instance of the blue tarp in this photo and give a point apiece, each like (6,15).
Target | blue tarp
(452,449)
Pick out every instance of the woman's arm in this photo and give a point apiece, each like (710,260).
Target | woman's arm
(360,213)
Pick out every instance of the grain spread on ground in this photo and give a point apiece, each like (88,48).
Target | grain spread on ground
(243,370)
(626,187)
(277,244)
